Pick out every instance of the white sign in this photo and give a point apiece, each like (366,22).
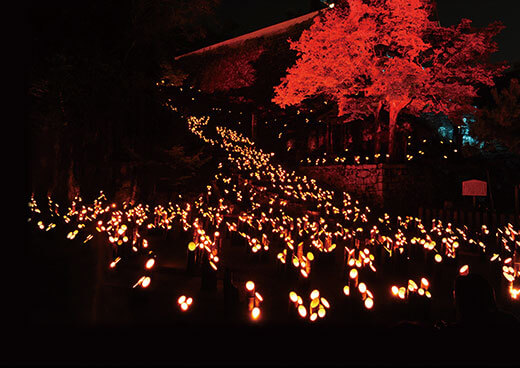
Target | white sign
(474,188)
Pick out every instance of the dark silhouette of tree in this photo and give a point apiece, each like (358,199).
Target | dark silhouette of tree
(92,98)
(499,122)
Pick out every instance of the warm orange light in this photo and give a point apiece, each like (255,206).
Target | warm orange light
(150,263)
(412,286)
(146,282)
(293,296)
(353,273)
(192,246)
(315,294)
(464,270)
(362,288)
(184,306)
(314,303)
(425,283)
(369,303)
(438,258)
(250,285)
(313,317)
(321,312)
(325,303)
(346,290)
(181,299)
(402,292)
(255,313)
(295,262)
(302,311)
(395,290)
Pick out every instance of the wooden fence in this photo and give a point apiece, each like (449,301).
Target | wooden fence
(470,218)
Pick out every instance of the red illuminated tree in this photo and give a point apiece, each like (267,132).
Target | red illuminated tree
(389,54)
(231,70)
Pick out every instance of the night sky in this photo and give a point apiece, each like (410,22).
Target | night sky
(251,15)
(483,12)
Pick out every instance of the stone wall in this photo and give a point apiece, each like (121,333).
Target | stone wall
(378,185)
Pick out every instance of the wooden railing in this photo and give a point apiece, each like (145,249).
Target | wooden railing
(470,218)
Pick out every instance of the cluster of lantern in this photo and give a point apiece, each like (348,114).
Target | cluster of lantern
(351,158)
(259,197)
(367,296)
(317,305)
(412,287)
(509,240)
(254,299)
(184,302)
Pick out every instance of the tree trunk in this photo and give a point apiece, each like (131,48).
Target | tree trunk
(377,123)
(72,186)
(343,137)
(253,126)
(394,110)
(391,131)
(328,140)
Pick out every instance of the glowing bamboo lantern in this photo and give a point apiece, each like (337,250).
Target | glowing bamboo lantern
(250,287)
(255,313)
(412,286)
(149,264)
(353,278)
(425,284)
(346,290)
(293,297)
(302,311)
(395,290)
(315,294)
(402,293)
(464,270)
(363,290)
(369,303)
(146,282)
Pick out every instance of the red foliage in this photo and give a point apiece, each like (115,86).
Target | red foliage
(226,72)
(389,54)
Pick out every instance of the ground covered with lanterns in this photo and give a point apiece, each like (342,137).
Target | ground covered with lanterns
(263,255)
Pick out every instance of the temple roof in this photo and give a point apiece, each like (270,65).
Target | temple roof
(267,31)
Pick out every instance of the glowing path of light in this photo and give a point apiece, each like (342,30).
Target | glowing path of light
(257,199)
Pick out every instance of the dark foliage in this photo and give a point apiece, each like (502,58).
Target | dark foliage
(498,121)
(94,113)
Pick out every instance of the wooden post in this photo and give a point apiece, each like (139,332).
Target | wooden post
(502,219)
(489,190)
(253,126)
